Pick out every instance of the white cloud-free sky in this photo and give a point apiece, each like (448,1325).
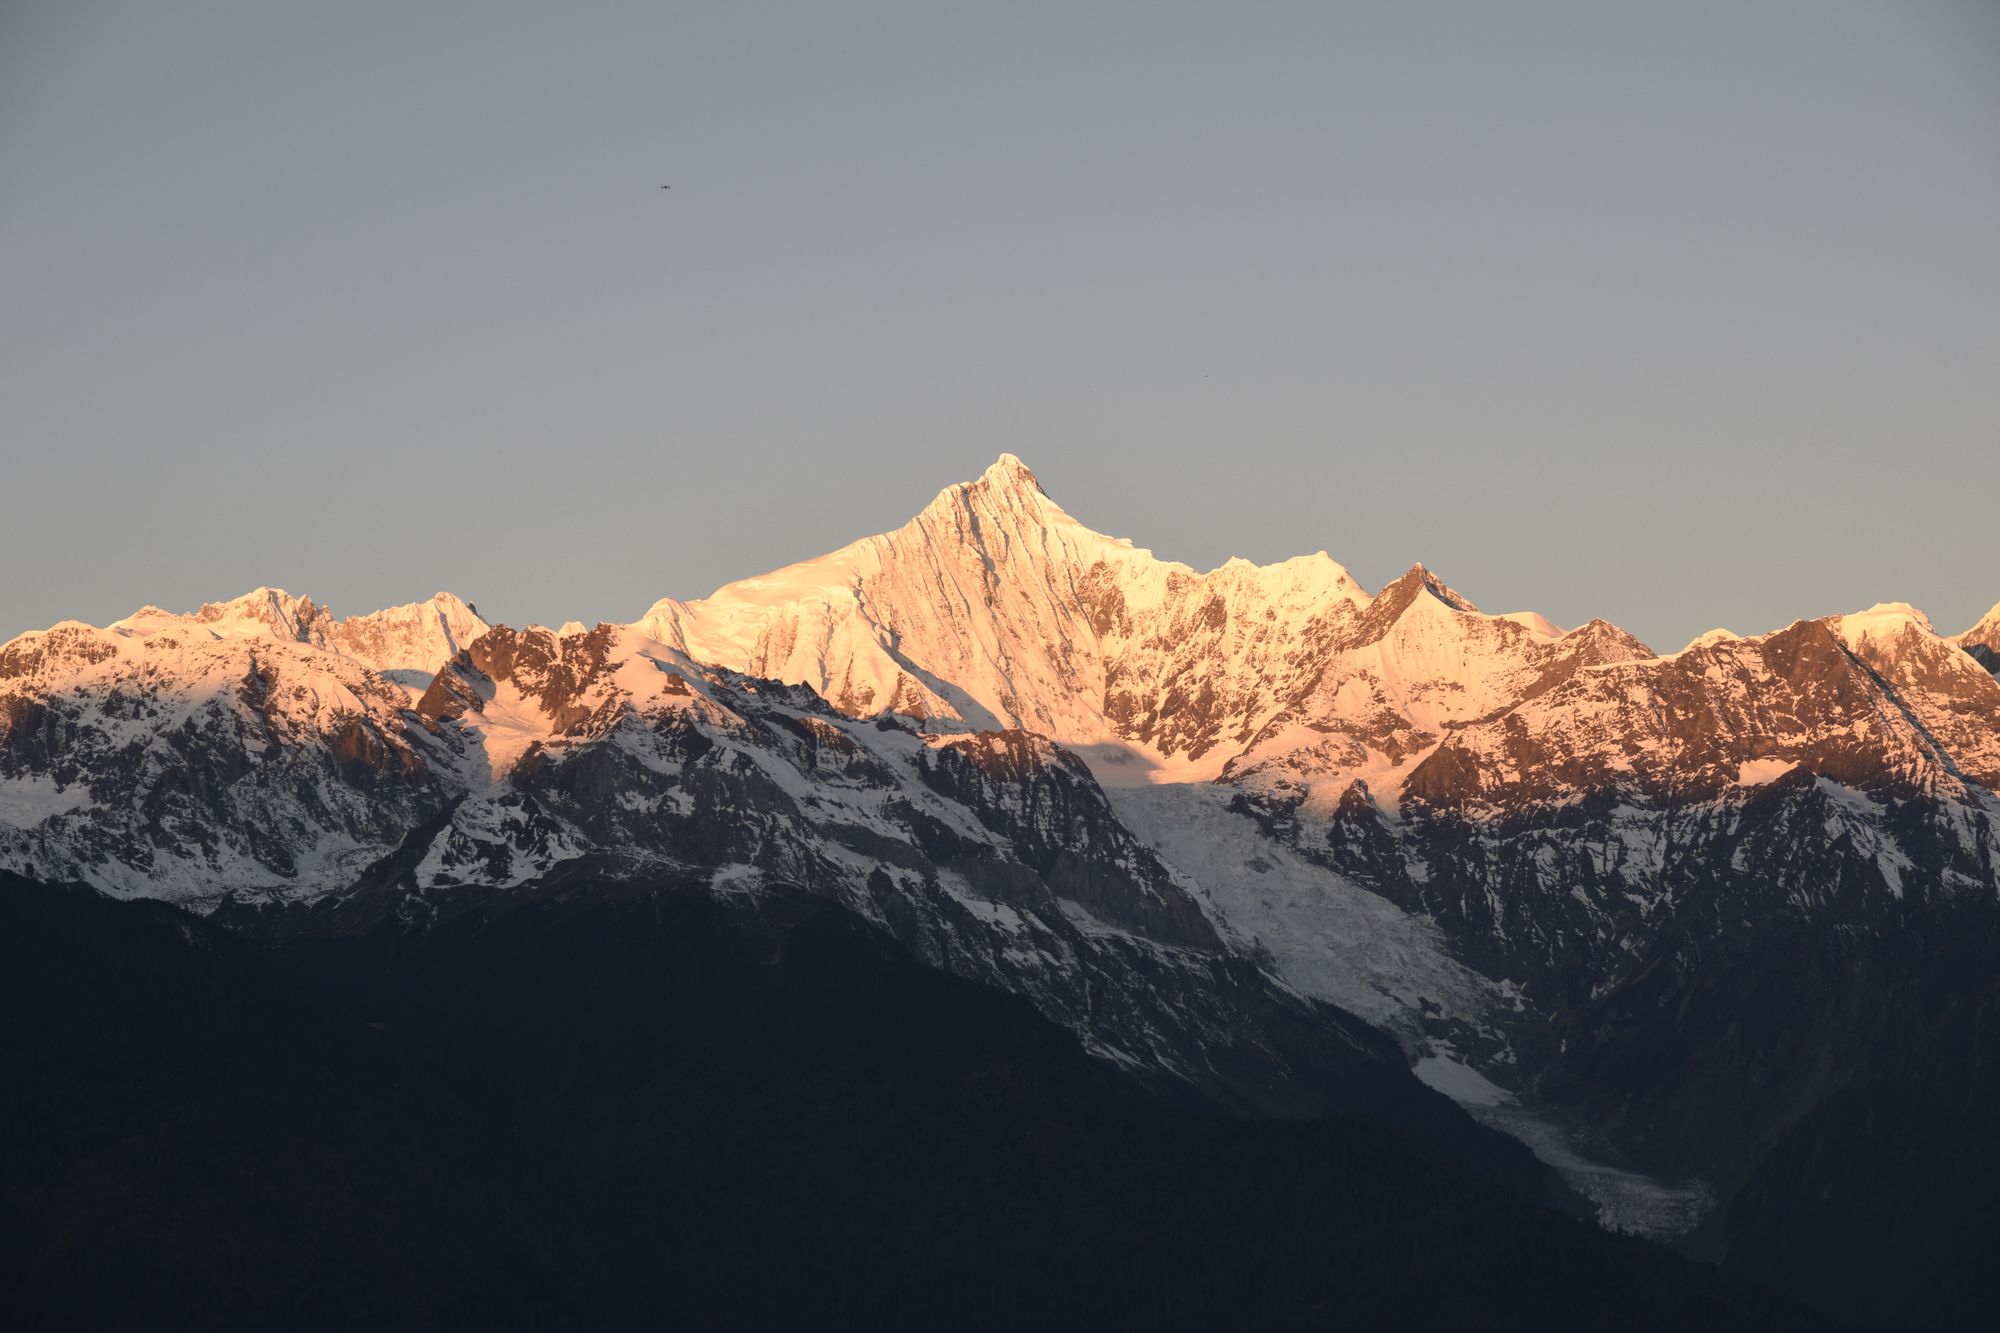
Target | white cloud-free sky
(1679,314)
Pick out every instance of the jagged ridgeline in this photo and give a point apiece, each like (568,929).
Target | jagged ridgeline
(1700,944)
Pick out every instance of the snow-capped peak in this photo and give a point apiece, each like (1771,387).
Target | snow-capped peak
(993,606)
(415,639)
(1719,634)
(1007,489)
(1009,471)
(1438,588)
(1882,622)
(262,612)
(1417,592)
(1985,634)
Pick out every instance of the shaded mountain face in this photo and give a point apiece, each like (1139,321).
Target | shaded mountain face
(1258,840)
(621,1104)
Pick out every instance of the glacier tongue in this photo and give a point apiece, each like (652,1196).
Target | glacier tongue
(1334,940)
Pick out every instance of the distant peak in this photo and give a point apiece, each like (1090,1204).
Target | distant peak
(1883,622)
(1418,578)
(1417,589)
(273,609)
(1007,486)
(454,607)
(1317,575)
(1889,613)
(1535,623)
(1986,632)
(262,595)
(1609,642)
(1708,638)
(262,611)
(1010,472)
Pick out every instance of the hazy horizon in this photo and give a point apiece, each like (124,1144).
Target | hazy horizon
(1678,316)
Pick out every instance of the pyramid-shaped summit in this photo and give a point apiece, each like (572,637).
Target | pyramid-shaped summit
(993,607)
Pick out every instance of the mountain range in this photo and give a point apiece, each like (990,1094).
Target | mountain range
(1702,945)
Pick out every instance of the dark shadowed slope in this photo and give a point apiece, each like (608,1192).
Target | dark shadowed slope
(656,1107)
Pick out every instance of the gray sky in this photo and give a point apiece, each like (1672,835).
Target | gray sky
(1676,313)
